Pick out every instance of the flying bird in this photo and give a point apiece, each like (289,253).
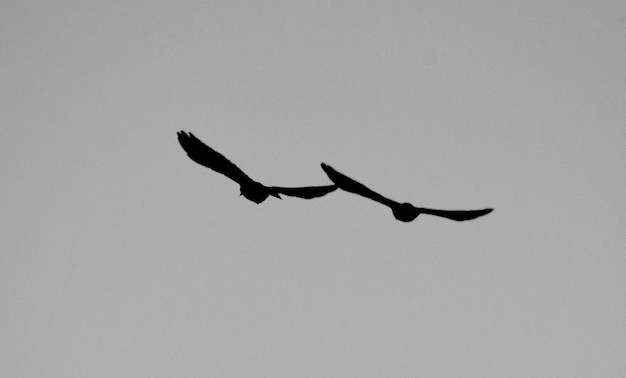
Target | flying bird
(404,212)
(252,190)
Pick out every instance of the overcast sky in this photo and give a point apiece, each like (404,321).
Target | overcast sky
(120,257)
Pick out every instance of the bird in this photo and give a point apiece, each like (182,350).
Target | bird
(249,188)
(404,212)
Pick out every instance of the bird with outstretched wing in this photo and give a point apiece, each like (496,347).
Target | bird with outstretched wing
(252,190)
(404,212)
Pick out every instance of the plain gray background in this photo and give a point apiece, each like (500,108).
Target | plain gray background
(120,257)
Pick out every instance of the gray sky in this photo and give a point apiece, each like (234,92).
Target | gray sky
(120,257)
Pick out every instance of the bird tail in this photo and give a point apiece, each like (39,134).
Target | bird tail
(274,193)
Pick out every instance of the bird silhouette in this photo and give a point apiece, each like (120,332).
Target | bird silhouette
(250,189)
(404,212)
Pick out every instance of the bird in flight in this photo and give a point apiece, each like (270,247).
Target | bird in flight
(404,212)
(252,190)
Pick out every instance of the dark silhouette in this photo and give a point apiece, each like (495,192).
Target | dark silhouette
(252,190)
(404,212)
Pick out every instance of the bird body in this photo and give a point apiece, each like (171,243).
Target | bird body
(255,191)
(249,188)
(404,212)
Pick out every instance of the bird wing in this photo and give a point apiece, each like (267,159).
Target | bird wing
(457,215)
(350,185)
(205,155)
(306,192)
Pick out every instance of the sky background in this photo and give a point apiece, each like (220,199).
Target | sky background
(120,257)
